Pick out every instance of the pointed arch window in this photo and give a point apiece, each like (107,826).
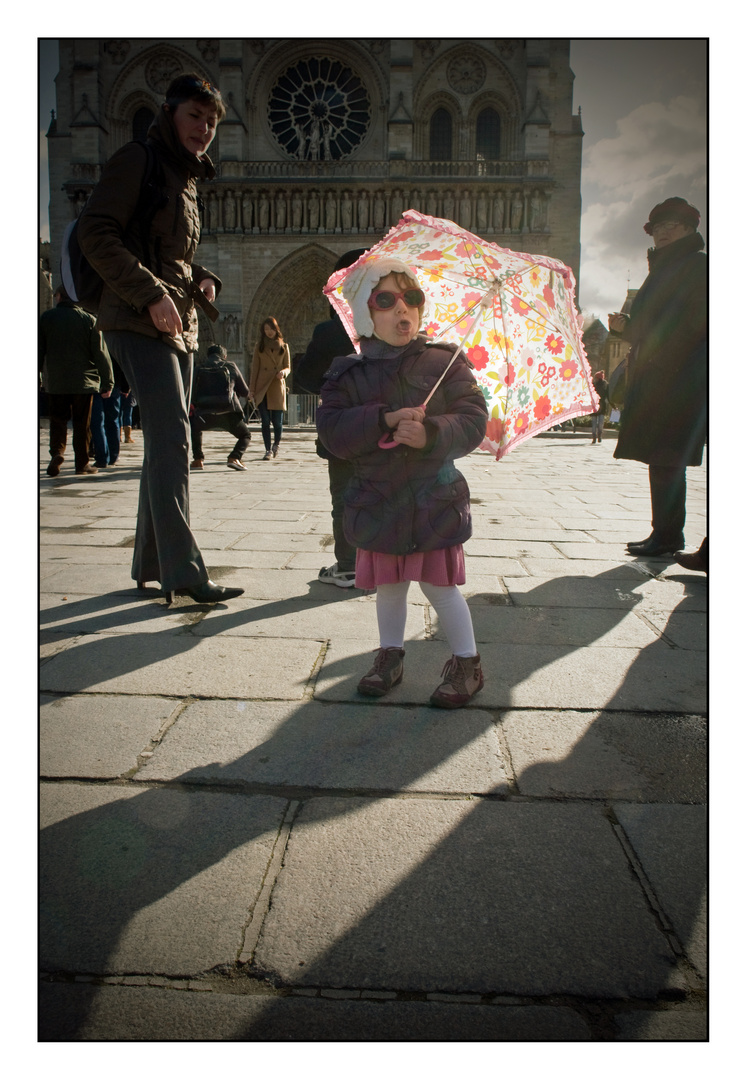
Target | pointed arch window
(488,135)
(440,136)
(141,121)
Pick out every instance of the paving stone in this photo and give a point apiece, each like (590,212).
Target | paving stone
(154,881)
(125,1013)
(671,843)
(565,627)
(96,736)
(124,612)
(608,755)
(349,613)
(680,1025)
(686,629)
(481,897)
(660,679)
(355,748)
(179,664)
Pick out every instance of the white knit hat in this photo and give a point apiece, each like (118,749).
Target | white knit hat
(358,286)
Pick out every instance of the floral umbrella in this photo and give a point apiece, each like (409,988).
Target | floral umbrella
(513,314)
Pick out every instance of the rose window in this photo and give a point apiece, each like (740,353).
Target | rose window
(319,110)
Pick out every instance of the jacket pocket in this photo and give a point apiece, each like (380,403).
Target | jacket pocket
(364,515)
(447,510)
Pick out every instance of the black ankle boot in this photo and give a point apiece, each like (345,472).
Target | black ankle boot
(210,593)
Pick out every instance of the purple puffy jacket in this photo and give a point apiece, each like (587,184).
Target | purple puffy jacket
(403,500)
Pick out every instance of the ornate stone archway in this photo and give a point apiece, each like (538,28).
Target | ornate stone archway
(292,294)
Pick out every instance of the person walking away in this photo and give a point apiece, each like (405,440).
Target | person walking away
(106,420)
(663,422)
(328,340)
(148,317)
(271,365)
(406,509)
(215,404)
(597,418)
(75,364)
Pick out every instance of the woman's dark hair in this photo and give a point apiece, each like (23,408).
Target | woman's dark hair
(192,87)
(217,350)
(262,340)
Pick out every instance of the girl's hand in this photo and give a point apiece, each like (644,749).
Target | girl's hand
(392,419)
(411,433)
(617,322)
(165,316)
(208,288)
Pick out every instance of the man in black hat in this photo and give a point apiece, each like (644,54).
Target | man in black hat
(663,421)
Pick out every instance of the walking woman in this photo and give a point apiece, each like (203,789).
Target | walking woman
(148,317)
(271,365)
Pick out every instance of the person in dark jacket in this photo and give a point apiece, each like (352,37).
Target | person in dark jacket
(597,418)
(147,313)
(75,365)
(202,415)
(407,509)
(663,422)
(328,340)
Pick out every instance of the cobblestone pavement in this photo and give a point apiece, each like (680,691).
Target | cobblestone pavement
(237,846)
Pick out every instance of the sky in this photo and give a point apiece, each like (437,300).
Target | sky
(643,111)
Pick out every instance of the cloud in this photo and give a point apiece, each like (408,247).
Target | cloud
(659,151)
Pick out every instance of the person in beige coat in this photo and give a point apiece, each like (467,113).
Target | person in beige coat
(270,367)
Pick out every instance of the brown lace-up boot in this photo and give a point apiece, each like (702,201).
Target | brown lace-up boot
(386,672)
(463,678)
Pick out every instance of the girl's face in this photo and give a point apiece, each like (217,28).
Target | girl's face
(399,325)
(269,330)
(195,125)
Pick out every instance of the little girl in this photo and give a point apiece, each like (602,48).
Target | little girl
(406,509)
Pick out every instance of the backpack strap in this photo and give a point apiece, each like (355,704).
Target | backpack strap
(151,199)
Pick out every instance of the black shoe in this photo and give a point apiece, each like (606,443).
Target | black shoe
(656,545)
(210,593)
(53,469)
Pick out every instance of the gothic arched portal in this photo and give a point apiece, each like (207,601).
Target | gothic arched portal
(292,293)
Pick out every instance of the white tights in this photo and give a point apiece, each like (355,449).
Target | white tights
(450,606)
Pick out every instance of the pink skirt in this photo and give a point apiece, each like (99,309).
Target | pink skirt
(445,566)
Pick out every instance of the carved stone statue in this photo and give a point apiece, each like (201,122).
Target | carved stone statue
(536,213)
(326,137)
(246,212)
(231,333)
(449,205)
(280,211)
(517,209)
(330,216)
(431,204)
(379,212)
(465,210)
(397,206)
(499,209)
(229,212)
(362,211)
(346,212)
(297,211)
(482,214)
(264,212)
(313,210)
(315,139)
(301,136)
(213,212)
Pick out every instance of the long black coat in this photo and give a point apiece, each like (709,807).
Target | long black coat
(663,421)
(403,500)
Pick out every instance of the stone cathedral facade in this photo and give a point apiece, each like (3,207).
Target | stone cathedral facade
(325,143)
